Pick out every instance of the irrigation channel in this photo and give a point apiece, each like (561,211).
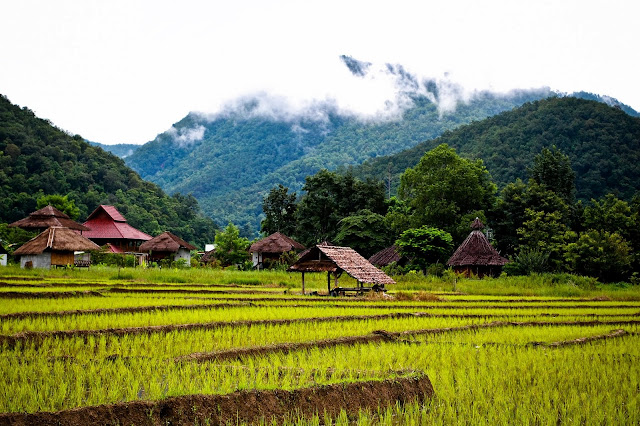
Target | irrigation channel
(132,353)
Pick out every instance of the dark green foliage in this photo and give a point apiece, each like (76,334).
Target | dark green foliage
(601,141)
(121,150)
(329,198)
(279,208)
(38,160)
(425,246)
(365,232)
(600,254)
(61,203)
(552,171)
(447,191)
(528,261)
(231,248)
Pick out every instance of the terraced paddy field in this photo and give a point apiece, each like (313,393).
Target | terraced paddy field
(85,347)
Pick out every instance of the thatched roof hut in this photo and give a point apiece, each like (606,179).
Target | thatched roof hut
(334,259)
(167,245)
(53,247)
(386,256)
(272,247)
(476,255)
(109,226)
(46,217)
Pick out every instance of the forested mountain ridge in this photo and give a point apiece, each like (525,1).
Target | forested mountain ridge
(121,150)
(603,143)
(38,159)
(231,161)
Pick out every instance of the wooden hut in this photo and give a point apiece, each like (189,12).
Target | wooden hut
(272,247)
(387,256)
(336,260)
(53,247)
(3,255)
(108,226)
(46,217)
(167,245)
(476,256)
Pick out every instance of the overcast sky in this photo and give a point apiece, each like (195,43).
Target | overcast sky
(124,71)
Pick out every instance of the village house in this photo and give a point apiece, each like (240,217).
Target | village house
(109,227)
(476,256)
(271,248)
(167,246)
(53,247)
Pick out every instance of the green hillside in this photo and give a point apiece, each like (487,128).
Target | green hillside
(603,143)
(231,161)
(38,159)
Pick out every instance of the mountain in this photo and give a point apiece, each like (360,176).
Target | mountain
(39,159)
(122,150)
(603,143)
(230,161)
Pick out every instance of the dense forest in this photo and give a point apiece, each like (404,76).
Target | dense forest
(601,141)
(39,160)
(230,161)
(538,224)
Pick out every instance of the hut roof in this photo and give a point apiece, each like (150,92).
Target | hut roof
(166,242)
(106,222)
(385,256)
(476,250)
(56,238)
(324,258)
(46,217)
(275,243)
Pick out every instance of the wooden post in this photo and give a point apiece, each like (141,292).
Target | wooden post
(303,293)
(335,277)
(329,282)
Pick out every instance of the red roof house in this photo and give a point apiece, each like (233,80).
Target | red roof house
(108,226)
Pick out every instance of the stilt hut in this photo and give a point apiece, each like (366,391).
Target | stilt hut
(476,256)
(108,226)
(53,247)
(167,245)
(336,260)
(47,217)
(272,247)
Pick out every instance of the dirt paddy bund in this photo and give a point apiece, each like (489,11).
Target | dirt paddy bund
(241,406)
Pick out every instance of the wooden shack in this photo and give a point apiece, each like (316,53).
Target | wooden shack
(53,247)
(45,218)
(335,260)
(108,226)
(167,246)
(271,248)
(387,256)
(476,256)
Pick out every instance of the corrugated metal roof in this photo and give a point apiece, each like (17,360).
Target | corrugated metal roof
(110,211)
(107,223)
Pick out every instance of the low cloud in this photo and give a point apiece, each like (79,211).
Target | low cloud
(186,136)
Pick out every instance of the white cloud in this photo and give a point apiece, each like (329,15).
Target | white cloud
(186,136)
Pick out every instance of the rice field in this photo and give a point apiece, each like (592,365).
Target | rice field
(81,340)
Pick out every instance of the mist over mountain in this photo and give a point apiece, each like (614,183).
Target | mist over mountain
(229,160)
(122,150)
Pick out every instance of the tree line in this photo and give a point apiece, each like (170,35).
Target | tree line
(538,224)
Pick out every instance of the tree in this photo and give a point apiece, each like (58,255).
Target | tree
(609,214)
(444,187)
(279,208)
(329,198)
(600,254)
(552,170)
(366,232)
(60,202)
(231,249)
(425,246)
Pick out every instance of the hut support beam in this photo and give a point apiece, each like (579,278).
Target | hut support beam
(328,282)
(303,293)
